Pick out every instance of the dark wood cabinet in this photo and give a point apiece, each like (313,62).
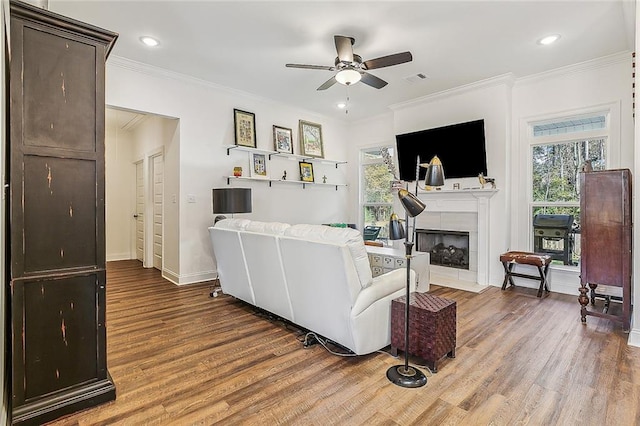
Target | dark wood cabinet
(57,215)
(606,235)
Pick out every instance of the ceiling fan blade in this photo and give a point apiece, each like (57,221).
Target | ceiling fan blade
(311,67)
(372,80)
(327,84)
(344,47)
(387,61)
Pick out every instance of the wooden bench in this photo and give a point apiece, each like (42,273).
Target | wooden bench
(541,261)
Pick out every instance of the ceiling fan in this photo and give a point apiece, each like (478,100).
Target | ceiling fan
(351,68)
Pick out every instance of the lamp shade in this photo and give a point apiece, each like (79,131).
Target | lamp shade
(435,173)
(231,200)
(411,204)
(396,230)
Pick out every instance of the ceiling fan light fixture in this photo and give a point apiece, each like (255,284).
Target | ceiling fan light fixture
(348,77)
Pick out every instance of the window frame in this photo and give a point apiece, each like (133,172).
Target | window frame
(605,133)
(365,162)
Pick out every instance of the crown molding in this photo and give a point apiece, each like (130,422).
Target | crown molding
(589,65)
(503,79)
(154,71)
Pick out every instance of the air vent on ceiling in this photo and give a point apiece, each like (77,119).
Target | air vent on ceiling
(417,78)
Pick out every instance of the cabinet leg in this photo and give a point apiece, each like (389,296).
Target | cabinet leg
(584,301)
(593,293)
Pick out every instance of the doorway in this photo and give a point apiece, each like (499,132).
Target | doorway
(136,178)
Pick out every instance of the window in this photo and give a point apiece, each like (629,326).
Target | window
(376,196)
(559,151)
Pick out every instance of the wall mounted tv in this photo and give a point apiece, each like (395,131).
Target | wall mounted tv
(460,147)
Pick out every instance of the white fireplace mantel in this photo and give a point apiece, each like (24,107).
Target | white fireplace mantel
(475,200)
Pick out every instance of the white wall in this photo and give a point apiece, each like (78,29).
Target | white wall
(596,85)
(120,193)
(206,125)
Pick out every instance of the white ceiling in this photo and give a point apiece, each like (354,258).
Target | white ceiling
(245,45)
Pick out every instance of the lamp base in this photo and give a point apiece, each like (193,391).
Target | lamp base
(407,378)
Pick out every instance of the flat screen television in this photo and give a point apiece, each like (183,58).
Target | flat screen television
(460,147)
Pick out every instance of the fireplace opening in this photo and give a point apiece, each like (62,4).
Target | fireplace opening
(446,248)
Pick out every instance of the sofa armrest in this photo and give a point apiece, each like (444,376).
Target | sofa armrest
(383,286)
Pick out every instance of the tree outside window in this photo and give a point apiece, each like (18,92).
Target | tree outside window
(555,167)
(377,197)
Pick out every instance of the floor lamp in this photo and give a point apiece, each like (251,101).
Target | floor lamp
(404,375)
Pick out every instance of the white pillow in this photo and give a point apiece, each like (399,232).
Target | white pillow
(271,228)
(233,224)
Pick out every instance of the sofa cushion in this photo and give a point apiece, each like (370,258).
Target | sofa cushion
(271,228)
(347,236)
(233,224)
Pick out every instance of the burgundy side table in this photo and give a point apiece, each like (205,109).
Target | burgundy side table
(432,327)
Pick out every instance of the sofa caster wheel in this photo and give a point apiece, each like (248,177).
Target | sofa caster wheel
(214,294)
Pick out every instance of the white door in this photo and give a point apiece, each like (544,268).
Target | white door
(158,175)
(139,214)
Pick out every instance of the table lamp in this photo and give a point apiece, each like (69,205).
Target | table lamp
(230,201)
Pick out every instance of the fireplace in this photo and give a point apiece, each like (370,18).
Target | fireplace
(446,248)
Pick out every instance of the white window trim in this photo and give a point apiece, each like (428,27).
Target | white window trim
(611,133)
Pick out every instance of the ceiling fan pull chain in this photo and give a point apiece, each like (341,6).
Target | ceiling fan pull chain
(346,108)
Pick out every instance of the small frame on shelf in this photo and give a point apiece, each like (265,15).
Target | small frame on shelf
(245,128)
(283,139)
(259,165)
(306,171)
(311,140)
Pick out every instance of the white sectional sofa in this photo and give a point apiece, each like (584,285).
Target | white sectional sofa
(315,276)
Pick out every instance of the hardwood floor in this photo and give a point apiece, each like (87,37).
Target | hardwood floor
(178,356)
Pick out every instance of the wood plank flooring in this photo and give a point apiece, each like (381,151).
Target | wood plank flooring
(178,356)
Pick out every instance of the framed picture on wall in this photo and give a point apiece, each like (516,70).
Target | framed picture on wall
(259,165)
(245,128)
(306,171)
(283,139)
(311,139)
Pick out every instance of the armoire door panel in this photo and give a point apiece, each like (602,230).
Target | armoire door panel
(59,91)
(60,334)
(61,231)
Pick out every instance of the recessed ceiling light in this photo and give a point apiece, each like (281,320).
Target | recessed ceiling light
(149,41)
(341,105)
(549,39)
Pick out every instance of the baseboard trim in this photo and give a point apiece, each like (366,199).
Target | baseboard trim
(187,279)
(169,275)
(66,402)
(634,337)
(113,257)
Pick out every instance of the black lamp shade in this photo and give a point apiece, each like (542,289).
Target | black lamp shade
(231,200)
(435,173)
(396,230)
(411,204)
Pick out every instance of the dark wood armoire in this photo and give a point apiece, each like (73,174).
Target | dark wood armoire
(606,235)
(56,214)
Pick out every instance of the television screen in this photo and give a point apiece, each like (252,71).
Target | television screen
(460,147)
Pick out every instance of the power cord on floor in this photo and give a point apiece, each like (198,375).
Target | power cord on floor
(323,342)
